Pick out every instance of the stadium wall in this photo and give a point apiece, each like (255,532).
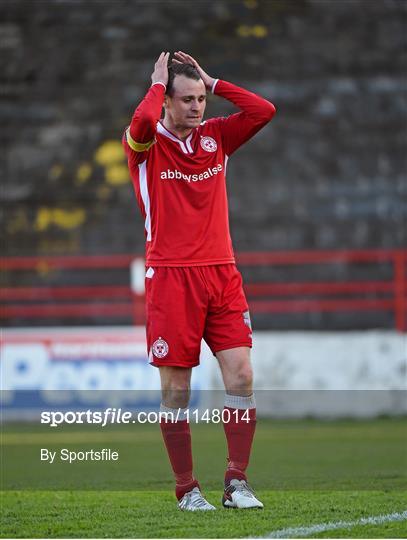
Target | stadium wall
(327,173)
(297,374)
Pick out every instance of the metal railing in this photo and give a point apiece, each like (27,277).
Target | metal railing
(110,300)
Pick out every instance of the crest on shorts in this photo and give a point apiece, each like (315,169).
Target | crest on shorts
(209,144)
(246,319)
(160,348)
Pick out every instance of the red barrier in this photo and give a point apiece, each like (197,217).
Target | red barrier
(282,289)
(109,300)
(300,306)
(69,310)
(65,293)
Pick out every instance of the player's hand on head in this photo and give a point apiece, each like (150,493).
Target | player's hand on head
(160,73)
(184,58)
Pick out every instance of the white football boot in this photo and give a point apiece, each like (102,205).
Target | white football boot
(194,501)
(239,494)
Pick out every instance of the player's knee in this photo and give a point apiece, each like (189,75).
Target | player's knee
(175,387)
(176,395)
(246,375)
(242,381)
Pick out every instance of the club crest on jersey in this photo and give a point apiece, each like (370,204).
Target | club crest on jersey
(209,144)
(160,348)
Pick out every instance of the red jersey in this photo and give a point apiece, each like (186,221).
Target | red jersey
(180,185)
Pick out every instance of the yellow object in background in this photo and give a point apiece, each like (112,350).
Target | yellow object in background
(109,153)
(64,219)
(83,173)
(117,174)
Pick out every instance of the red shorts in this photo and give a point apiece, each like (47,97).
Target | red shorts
(186,304)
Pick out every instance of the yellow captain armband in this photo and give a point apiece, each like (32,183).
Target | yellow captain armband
(138,147)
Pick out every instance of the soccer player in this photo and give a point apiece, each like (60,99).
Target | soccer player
(193,289)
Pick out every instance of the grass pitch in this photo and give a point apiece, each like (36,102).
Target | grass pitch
(306,473)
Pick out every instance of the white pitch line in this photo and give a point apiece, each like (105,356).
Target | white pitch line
(299,532)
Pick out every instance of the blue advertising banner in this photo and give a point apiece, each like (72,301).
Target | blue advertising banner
(79,367)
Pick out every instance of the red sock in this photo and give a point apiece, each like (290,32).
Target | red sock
(239,435)
(177,438)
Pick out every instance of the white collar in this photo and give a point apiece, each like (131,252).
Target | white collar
(185,145)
